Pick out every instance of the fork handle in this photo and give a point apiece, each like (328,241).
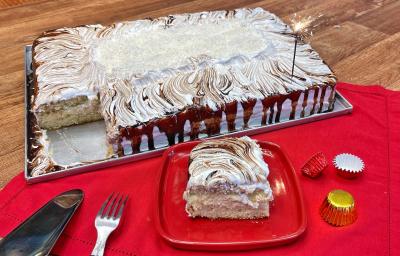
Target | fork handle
(98,249)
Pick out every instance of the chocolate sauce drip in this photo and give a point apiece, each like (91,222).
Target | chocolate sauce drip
(248,111)
(175,124)
(294,97)
(135,134)
(148,130)
(193,115)
(230,113)
(271,112)
(122,134)
(195,129)
(316,91)
(212,120)
(180,124)
(195,119)
(321,100)
(267,103)
(168,125)
(279,102)
(331,98)
(304,105)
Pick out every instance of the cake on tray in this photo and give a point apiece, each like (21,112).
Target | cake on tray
(228,179)
(177,78)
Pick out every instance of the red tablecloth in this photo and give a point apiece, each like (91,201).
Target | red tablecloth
(372,132)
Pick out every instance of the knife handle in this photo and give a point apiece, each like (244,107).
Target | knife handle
(38,234)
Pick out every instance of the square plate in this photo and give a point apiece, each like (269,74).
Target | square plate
(287,219)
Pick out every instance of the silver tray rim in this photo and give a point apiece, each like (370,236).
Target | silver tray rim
(348,108)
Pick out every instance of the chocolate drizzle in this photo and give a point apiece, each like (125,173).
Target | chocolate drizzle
(148,131)
(212,120)
(294,97)
(304,105)
(268,103)
(168,125)
(248,111)
(279,103)
(230,113)
(174,125)
(135,133)
(321,99)
(316,92)
(331,99)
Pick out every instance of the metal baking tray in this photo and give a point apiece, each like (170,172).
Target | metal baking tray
(342,106)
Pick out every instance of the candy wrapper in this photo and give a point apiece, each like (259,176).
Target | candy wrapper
(348,166)
(338,208)
(315,165)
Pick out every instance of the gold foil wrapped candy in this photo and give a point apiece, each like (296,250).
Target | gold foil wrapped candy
(338,209)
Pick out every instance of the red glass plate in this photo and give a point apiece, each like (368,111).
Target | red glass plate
(287,219)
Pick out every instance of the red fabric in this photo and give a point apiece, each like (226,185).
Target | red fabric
(372,132)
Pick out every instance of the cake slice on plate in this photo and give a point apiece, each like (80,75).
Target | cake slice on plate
(228,179)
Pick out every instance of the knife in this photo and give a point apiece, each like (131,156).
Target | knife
(38,234)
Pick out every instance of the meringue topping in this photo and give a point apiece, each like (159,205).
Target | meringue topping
(234,162)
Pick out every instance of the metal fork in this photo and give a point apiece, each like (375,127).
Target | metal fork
(107,221)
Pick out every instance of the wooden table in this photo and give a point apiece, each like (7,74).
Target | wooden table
(359,39)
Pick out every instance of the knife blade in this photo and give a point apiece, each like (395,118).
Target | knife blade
(38,234)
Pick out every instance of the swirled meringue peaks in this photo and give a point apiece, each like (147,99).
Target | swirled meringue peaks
(228,179)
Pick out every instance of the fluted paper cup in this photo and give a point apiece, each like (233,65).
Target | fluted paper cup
(348,166)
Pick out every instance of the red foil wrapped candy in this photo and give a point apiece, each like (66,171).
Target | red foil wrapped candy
(315,165)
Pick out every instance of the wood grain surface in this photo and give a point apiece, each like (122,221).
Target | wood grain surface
(359,39)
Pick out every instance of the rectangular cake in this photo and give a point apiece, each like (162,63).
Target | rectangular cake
(186,74)
(176,78)
(228,179)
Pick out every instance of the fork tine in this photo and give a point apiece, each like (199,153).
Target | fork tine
(100,213)
(116,206)
(107,214)
(121,208)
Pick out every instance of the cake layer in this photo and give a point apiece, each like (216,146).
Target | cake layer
(217,205)
(77,110)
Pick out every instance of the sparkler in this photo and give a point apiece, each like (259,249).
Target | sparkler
(302,29)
